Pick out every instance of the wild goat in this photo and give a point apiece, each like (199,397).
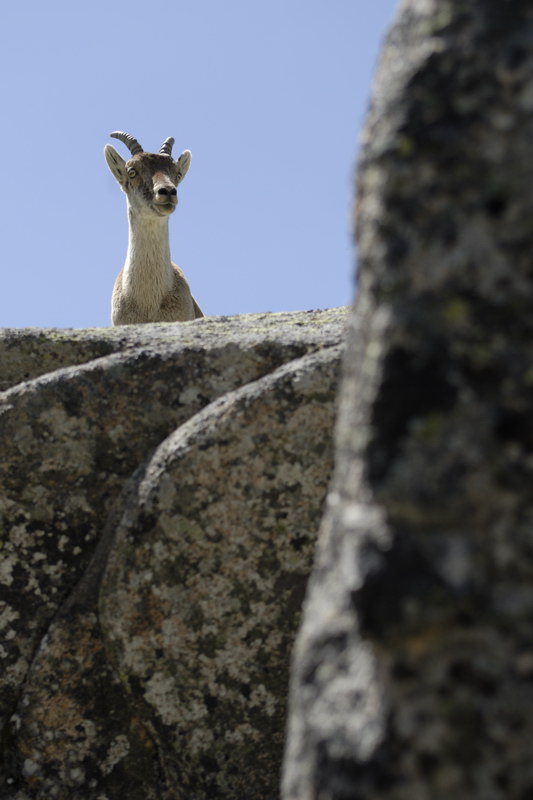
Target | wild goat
(149,288)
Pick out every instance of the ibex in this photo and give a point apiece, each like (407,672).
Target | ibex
(149,288)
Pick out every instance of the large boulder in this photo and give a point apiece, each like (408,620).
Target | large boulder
(203,590)
(27,353)
(412,678)
(76,719)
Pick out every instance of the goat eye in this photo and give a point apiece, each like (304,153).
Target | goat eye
(132,172)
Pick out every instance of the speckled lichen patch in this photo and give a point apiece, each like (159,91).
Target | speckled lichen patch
(413,675)
(28,353)
(70,441)
(202,594)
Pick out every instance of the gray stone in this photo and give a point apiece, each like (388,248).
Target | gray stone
(72,726)
(203,589)
(72,437)
(412,678)
(26,353)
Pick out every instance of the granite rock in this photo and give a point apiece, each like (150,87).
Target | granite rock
(203,590)
(27,353)
(412,676)
(71,441)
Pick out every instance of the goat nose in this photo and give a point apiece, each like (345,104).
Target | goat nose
(164,191)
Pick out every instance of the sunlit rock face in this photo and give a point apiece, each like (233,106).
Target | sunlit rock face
(161,488)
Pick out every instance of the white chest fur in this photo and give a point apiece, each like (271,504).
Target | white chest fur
(148,275)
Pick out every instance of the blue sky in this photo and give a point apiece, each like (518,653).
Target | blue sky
(269,97)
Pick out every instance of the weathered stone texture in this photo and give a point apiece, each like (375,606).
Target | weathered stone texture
(75,723)
(160,491)
(413,671)
(208,573)
(26,353)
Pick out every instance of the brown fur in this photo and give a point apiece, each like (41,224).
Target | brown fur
(150,288)
(177,305)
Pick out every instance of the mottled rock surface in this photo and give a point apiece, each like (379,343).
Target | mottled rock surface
(26,353)
(413,674)
(79,719)
(214,554)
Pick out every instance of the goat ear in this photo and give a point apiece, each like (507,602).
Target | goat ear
(182,164)
(116,164)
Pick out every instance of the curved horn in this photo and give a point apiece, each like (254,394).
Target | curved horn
(166,147)
(132,144)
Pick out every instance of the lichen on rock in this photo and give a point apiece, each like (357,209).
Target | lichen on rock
(412,675)
(75,722)
(202,592)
